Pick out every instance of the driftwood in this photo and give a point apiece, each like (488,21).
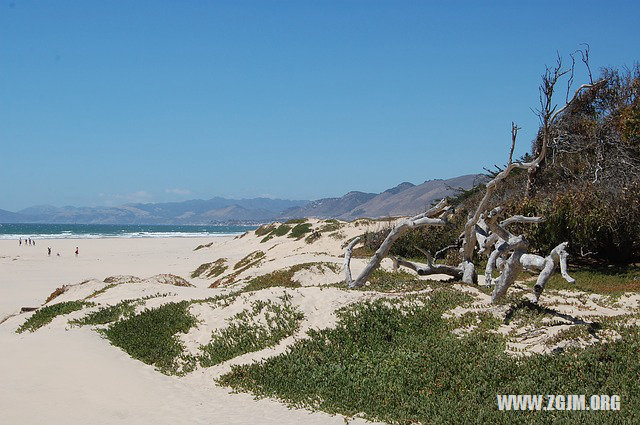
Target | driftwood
(430,268)
(435,216)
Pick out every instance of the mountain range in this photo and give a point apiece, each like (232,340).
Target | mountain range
(403,199)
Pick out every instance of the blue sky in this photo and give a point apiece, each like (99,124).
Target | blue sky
(109,102)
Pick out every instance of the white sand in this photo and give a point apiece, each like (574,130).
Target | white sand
(61,376)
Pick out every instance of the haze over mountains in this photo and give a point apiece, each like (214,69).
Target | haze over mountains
(403,199)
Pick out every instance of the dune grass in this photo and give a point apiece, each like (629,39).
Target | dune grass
(245,334)
(401,364)
(46,314)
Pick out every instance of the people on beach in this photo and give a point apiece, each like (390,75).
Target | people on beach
(20,242)
(49,251)
(77,251)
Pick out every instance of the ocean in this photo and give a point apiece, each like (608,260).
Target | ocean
(96,231)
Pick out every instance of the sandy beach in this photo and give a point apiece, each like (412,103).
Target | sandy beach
(66,374)
(72,377)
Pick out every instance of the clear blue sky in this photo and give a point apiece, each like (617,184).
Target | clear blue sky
(108,102)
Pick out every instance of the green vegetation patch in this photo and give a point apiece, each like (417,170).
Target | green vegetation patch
(296,221)
(401,364)
(101,291)
(400,281)
(45,315)
(249,260)
(203,246)
(314,236)
(245,334)
(266,238)
(109,314)
(282,230)
(300,230)
(151,337)
(601,280)
(213,269)
(330,226)
(265,229)
(284,277)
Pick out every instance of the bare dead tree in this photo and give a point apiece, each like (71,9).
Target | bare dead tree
(482,229)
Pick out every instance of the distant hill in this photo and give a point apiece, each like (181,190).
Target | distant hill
(404,199)
(213,211)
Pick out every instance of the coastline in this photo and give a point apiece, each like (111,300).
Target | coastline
(28,273)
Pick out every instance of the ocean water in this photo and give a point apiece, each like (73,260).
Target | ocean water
(96,231)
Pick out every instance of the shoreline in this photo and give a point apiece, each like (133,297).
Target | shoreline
(28,273)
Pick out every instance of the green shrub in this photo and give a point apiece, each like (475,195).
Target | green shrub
(265,229)
(282,230)
(300,230)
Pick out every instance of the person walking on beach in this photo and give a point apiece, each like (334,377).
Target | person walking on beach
(77,251)
(20,242)
(49,251)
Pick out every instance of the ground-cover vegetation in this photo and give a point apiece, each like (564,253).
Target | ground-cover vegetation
(296,221)
(212,269)
(108,314)
(46,314)
(284,277)
(151,337)
(300,230)
(263,325)
(613,280)
(384,281)
(249,260)
(203,246)
(399,362)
